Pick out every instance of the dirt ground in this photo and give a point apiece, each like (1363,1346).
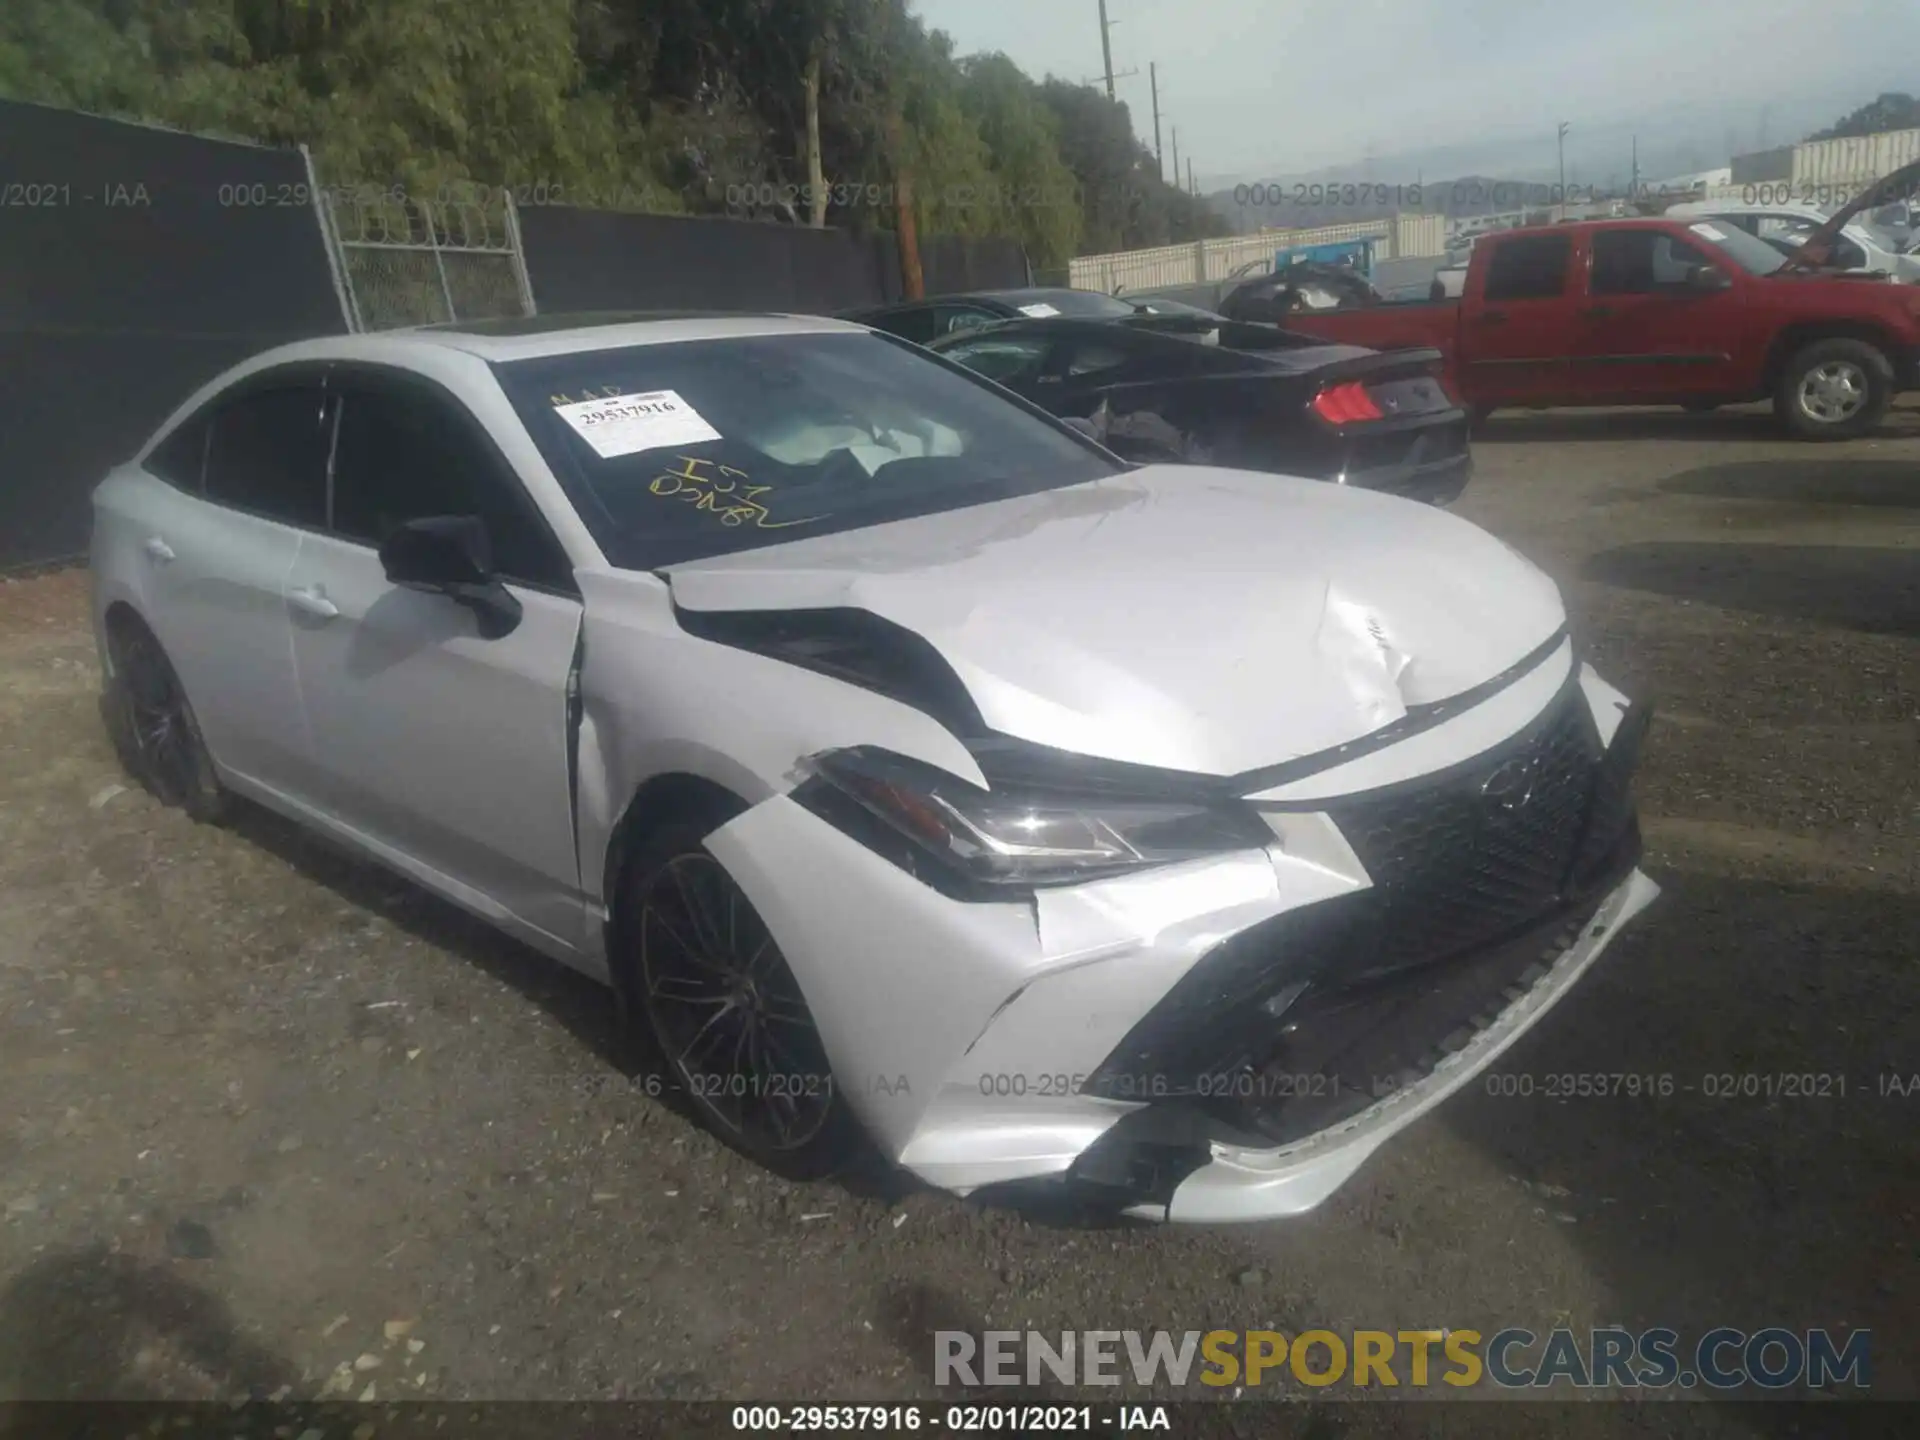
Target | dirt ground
(271,1119)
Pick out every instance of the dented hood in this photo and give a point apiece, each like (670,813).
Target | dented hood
(1212,621)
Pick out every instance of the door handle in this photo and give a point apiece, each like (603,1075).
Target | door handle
(158,549)
(313,602)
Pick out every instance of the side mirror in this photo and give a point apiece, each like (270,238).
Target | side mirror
(451,555)
(1708,277)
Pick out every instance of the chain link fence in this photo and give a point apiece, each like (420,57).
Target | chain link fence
(407,261)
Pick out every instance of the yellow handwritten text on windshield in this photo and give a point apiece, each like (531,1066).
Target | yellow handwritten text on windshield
(728,494)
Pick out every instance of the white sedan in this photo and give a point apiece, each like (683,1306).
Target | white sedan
(915,773)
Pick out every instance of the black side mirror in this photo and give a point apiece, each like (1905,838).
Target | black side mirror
(1708,277)
(451,555)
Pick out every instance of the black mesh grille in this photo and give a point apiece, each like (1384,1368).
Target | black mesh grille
(1478,876)
(1461,862)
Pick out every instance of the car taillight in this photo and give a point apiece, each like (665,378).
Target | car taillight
(1344,404)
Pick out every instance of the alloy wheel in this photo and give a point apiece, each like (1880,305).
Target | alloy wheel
(1834,391)
(728,1011)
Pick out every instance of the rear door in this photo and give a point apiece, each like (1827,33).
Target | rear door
(449,751)
(251,472)
(1516,324)
(1646,334)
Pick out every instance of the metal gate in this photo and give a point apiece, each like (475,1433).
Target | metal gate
(404,261)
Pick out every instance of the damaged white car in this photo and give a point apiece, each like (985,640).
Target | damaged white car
(916,773)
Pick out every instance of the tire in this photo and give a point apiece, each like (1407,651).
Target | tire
(1477,419)
(708,1003)
(153,727)
(1834,390)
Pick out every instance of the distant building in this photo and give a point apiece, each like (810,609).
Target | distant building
(1694,181)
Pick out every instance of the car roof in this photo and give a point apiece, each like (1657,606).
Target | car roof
(541,336)
(1742,207)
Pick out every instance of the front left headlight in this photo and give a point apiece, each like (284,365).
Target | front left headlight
(1029,837)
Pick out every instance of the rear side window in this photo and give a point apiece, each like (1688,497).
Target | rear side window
(181,458)
(404,457)
(1008,359)
(268,455)
(915,325)
(1094,358)
(1533,267)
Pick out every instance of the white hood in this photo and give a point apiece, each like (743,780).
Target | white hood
(1197,619)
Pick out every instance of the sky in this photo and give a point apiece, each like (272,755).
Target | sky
(1382,90)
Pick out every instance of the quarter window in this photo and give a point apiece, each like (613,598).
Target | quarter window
(1009,359)
(1533,267)
(181,458)
(268,454)
(404,457)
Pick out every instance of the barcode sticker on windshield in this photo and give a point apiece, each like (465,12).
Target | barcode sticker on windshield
(1712,232)
(1040,311)
(628,424)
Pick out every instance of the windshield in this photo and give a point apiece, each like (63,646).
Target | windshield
(676,452)
(1748,251)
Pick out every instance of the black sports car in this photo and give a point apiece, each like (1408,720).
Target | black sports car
(1205,390)
(924,321)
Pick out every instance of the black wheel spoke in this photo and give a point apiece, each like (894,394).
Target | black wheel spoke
(683,990)
(691,949)
(726,1008)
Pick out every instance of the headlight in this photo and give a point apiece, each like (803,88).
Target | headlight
(1029,837)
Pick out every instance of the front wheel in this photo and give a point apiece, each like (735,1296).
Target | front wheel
(722,1011)
(153,726)
(1834,390)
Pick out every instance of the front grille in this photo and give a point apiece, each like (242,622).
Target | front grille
(1457,863)
(1473,871)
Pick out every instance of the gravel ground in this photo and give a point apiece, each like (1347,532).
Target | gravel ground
(271,1119)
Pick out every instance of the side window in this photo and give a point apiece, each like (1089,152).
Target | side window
(403,457)
(1533,267)
(268,454)
(181,458)
(1093,358)
(914,325)
(1008,359)
(1641,262)
(949,318)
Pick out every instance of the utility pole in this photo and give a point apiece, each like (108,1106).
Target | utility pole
(1153,79)
(1564,127)
(1106,46)
(1633,192)
(1176,157)
(1192,189)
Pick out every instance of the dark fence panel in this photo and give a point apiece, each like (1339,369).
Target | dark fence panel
(953,263)
(604,260)
(138,263)
(610,260)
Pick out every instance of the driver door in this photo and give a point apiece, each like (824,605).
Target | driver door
(446,752)
(1646,334)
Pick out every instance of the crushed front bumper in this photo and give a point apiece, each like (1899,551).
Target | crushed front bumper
(1154,1038)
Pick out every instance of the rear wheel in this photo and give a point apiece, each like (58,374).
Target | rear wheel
(722,1014)
(1834,390)
(153,725)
